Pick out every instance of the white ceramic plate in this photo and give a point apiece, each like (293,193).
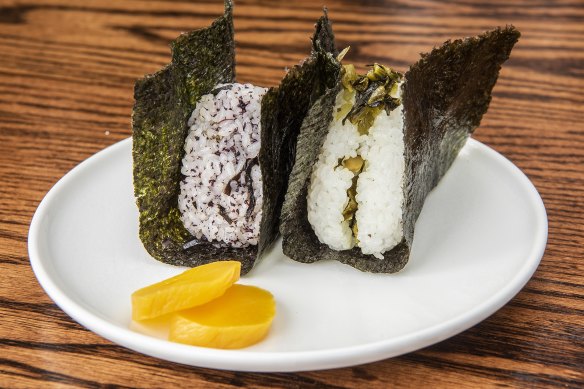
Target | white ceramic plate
(479,239)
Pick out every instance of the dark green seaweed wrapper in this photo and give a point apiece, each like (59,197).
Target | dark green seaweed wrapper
(163,103)
(283,110)
(445,96)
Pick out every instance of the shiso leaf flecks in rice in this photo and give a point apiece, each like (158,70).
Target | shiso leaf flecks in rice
(221,193)
(164,101)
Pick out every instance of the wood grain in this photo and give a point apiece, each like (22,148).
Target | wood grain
(67,70)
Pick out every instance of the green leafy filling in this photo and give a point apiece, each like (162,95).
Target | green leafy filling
(375,92)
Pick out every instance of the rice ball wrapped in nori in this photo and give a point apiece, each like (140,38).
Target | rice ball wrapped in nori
(355,192)
(212,157)
(361,176)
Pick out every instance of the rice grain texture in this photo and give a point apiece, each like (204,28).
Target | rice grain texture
(379,185)
(221,192)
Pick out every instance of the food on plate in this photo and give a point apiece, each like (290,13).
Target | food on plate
(372,147)
(338,162)
(204,307)
(220,197)
(355,191)
(239,318)
(193,287)
(212,156)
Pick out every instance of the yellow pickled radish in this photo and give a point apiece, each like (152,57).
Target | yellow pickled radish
(239,318)
(193,287)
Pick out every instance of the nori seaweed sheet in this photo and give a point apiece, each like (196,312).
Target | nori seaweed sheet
(445,96)
(163,102)
(283,110)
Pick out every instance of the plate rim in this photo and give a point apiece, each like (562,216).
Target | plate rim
(257,361)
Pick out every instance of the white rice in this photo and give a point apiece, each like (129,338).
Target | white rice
(327,193)
(222,146)
(379,186)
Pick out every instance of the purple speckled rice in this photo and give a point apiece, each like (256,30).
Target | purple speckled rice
(221,193)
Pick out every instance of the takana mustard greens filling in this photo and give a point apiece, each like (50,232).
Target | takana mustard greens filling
(373,93)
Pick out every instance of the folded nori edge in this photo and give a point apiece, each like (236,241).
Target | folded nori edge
(283,110)
(445,96)
(163,103)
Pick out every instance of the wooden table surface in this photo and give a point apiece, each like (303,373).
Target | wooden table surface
(67,70)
